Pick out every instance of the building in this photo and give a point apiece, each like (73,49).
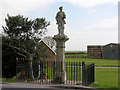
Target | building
(49,53)
(47,56)
(110,51)
(94,51)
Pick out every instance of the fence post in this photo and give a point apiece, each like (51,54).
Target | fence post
(53,69)
(93,73)
(83,73)
(71,72)
(16,70)
(74,72)
(79,71)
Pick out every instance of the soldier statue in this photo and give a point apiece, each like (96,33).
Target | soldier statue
(60,16)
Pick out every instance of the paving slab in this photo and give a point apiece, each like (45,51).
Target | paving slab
(44,86)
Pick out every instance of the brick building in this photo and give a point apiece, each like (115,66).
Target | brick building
(94,51)
(109,51)
(50,54)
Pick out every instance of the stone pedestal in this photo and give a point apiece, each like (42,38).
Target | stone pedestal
(60,74)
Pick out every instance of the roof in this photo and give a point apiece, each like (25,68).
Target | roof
(104,45)
(112,44)
(94,45)
(47,46)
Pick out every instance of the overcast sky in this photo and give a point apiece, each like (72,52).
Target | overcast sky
(88,22)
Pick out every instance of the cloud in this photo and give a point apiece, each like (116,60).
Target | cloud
(14,7)
(52,29)
(105,25)
(92,12)
(23,6)
(91,3)
(100,33)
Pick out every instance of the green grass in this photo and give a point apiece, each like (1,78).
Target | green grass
(106,78)
(98,62)
(75,51)
(9,79)
(76,54)
(0,79)
(80,55)
(76,73)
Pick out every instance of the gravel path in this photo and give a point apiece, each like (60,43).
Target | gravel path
(25,85)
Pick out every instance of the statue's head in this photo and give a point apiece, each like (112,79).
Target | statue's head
(61,7)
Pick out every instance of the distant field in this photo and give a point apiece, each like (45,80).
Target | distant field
(98,62)
(82,56)
(77,54)
(75,51)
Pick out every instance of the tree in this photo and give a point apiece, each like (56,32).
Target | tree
(8,59)
(24,36)
(21,27)
(50,42)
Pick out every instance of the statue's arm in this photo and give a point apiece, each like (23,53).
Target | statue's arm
(64,16)
(56,16)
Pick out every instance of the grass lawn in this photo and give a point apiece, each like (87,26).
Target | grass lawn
(9,79)
(76,54)
(106,78)
(85,55)
(98,62)
(0,79)
(75,51)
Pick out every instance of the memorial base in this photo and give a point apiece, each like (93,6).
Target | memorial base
(61,78)
(60,74)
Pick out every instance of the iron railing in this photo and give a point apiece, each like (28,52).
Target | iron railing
(88,74)
(44,72)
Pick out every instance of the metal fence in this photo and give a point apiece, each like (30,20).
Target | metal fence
(73,70)
(44,71)
(88,74)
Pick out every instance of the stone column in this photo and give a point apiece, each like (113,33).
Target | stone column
(60,74)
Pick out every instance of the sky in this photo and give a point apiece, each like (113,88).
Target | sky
(88,22)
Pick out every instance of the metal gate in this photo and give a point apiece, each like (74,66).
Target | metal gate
(88,74)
